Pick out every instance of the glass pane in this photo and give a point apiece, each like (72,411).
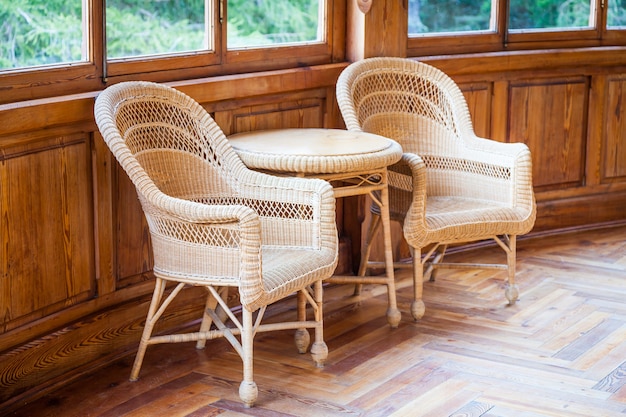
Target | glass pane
(616,14)
(148,27)
(434,16)
(549,14)
(40,32)
(253,23)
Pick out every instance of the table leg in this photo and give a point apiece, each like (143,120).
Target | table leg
(374,185)
(393,313)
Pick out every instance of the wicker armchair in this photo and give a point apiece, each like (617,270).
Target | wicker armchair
(216,224)
(450,185)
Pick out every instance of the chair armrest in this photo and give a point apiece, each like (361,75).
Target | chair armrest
(494,151)
(407,188)
(515,161)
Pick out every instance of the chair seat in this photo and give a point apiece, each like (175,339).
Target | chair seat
(285,270)
(449,211)
(456,217)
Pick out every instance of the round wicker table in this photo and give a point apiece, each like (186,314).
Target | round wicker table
(355,163)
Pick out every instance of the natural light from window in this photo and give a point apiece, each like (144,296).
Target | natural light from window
(550,14)
(616,14)
(41,32)
(437,16)
(146,27)
(270,23)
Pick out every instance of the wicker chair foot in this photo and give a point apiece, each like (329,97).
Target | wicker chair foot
(393,317)
(303,339)
(319,352)
(511,293)
(248,392)
(418,309)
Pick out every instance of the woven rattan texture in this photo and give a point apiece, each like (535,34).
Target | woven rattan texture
(210,217)
(450,186)
(463,187)
(215,223)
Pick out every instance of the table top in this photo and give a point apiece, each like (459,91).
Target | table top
(315,150)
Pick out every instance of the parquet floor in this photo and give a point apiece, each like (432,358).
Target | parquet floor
(560,351)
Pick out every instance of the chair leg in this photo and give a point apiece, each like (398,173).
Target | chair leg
(159,289)
(302,337)
(372,229)
(319,350)
(248,391)
(511,292)
(393,313)
(430,272)
(417,305)
(205,326)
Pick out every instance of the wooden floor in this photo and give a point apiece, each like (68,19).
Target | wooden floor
(560,351)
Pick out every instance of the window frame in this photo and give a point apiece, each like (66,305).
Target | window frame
(502,39)
(98,72)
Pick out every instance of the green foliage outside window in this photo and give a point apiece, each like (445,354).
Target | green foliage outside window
(43,32)
(546,14)
(146,27)
(267,22)
(616,14)
(40,32)
(435,16)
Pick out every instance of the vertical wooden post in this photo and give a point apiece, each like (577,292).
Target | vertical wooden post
(379,31)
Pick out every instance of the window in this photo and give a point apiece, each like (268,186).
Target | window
(145,27)
(440,16)
(466,26)
(31,36)
(616,14)
(550,14)
(271,23)
(88,41)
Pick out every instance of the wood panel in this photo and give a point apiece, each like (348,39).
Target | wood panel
(478,97)
(290,112)
(133,249)
(549,115)
(614,139)
(46,239)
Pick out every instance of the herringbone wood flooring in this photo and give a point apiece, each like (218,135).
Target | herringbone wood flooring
(560,351)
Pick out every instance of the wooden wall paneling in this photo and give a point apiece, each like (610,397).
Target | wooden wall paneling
(289,114)
(123,251)
(478,97)
(297,109)
(550,116)
(613,145)
(103,163)
(48,261)
(333,118)
(595,130)
(500,111)
(132,237)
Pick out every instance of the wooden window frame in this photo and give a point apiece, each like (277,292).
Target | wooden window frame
(501,39)
(97,73)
